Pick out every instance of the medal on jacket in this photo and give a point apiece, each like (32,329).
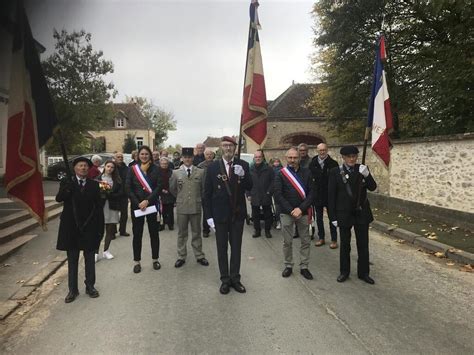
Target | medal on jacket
(222,177)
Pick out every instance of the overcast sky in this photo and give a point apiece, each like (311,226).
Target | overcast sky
(187,56)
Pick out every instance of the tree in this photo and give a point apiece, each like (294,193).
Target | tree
(129,144)
(429,68)
(76,79)
(161,121)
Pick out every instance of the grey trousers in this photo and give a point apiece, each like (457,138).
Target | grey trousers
(288,224)
(196,242)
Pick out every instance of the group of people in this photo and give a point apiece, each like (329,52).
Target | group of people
(211,194)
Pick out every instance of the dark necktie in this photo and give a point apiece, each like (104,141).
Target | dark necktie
(230,168)
(81,184)
(189,172)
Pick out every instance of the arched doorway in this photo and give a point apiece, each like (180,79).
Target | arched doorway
(293,139)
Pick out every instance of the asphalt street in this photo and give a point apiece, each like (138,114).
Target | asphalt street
(418,305)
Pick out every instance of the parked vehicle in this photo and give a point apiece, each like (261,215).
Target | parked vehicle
(57,171)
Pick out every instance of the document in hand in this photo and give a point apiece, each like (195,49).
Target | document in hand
(148,210)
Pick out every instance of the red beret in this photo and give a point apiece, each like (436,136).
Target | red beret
(229,139)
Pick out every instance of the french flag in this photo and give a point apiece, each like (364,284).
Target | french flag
(31,119)
(380,114)
(254,107)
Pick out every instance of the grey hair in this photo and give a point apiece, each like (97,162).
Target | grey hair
(96,158)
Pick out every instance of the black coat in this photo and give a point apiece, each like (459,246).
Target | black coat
(341,206)
(262,185)
(81,227)
(198,159)
(320,179)
(135,191)
(166,198)
(115,197)
(286,195)
(217,203)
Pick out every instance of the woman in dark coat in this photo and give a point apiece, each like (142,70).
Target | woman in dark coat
(81,225)
(144,185)
(167,198)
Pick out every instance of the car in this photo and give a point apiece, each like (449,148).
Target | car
(57,171)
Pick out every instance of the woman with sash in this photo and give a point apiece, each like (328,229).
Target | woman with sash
(143,185)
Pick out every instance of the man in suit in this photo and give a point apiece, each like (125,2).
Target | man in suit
(320,167)
(210,156)
(293,192)
(199,154)
(187,184)
(349,207)
(81,225)
(123,171)
(225,210)
(305,159)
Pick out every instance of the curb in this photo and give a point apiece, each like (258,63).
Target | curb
(433,246)
(15,301)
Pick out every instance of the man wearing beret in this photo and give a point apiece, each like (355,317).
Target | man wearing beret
(225,210)
(187,184)
(81,225)
(349,207)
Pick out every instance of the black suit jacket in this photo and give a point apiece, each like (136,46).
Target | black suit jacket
(81,227)
(288,198)
(341,206)
(321,178)
(135,190)
(217,203)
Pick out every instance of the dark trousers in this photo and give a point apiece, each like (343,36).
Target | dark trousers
(123,216)
(320,223)
(73,268)
(205,226)
(267,217)
(168,214)
(229,233)
(137,227)
(362,241)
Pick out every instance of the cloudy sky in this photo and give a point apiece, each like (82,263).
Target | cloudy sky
(187,56)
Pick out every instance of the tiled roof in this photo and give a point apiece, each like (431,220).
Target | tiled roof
(135,119)
(215,141)
(293,103)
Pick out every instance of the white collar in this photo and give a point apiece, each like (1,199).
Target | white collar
(79,178)
(228,162)
(185,168)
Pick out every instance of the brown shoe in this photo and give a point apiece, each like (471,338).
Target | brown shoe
(320,242)
(333,245)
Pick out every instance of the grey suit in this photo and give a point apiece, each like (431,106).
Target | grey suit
(188,192)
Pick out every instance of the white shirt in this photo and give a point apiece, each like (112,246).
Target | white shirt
(227,165)
(79,180)
(185,168)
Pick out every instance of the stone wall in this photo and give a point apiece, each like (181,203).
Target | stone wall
(437,171)
(114,139)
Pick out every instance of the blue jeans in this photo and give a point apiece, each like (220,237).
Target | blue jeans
(320,223)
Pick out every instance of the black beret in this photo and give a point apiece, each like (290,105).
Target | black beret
(349,149)
(187,152)
(229,139)
(79,159)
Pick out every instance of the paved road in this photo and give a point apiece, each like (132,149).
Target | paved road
(418,305)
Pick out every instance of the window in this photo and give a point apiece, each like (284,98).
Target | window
(120,122)
(139,141)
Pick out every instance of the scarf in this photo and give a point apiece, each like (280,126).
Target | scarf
(144,166)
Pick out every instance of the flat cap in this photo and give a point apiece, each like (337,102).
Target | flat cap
(229,139)
(349,149)
(187,152)
(79,159)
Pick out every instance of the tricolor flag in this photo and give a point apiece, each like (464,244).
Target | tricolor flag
(380,114)
(254,108)
(31,120)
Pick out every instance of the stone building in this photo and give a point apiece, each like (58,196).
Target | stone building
(127,120)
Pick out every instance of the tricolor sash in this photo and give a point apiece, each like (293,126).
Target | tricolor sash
(298,186)
(141,178)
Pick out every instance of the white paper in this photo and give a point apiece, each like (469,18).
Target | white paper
(148,210)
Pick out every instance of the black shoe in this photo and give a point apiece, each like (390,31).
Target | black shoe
(205,234)
(256,234)
(296,236)
(179,263)
(287,272)
(137,268)
(306,274)
(71,296)
(224,289)
(170,228)
(268,234)
(342,277)
(125,234)
(367,279)
(157,265)
(238,287)
(203,261)
(161,228)
(92,292)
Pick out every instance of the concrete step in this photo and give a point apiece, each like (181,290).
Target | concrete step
(9,233)
(17,217)
(11,246)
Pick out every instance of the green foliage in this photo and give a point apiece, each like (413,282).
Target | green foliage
(129,144)
(161,120)
(76,79)
(430,68)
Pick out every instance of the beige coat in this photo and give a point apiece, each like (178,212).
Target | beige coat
(188,191)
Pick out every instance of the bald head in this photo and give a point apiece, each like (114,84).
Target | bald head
(292,158)
(322,149)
